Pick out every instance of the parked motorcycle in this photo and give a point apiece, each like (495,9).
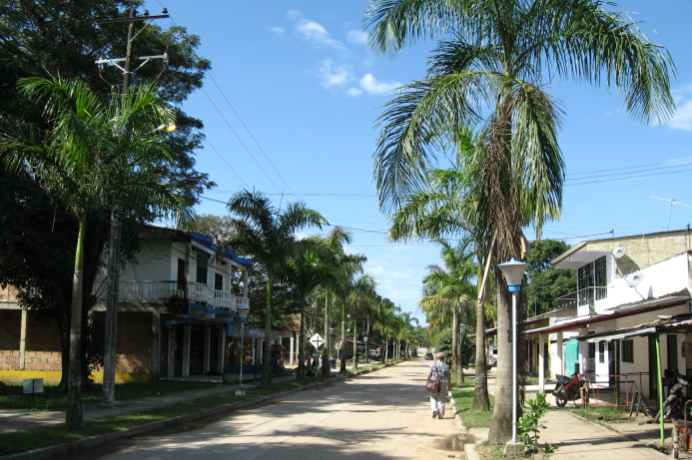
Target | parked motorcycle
(570,389)
(673,406)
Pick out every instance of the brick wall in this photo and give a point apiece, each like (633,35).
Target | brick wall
(133,344)
(43,343)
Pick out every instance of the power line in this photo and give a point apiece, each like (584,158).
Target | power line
(250,133)
(227,163)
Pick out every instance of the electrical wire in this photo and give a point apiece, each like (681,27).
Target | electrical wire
(227,163)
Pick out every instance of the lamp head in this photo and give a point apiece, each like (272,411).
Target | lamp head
(513,272)
(243,311)
(462,328)
(365,338)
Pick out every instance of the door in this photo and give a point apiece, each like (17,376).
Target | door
(572,357)
(672,351)
(653,370)
(197,349)
(612,362)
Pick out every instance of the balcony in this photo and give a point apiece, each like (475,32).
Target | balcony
(569,305)
(161,291)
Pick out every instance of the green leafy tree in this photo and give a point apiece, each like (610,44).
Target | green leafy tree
(265,234)
(545,282)
(492,60)
(89,159)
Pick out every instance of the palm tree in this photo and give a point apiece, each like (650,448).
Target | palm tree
(451,289)
(447,207)
(93,153)
(266,235)
(495,57)
(311,265)
(360,294)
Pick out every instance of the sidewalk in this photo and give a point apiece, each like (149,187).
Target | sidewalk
(13,420)
(576,438)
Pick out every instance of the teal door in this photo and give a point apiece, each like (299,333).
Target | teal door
(572,357)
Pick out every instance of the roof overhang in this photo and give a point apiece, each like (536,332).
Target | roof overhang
(628,310)
(676,324)
(572,260)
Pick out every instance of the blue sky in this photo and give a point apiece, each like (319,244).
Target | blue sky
(300,77)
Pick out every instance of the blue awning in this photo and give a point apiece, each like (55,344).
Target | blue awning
(250,332)
(207,241)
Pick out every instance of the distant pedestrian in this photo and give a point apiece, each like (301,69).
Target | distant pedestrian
(439,371)
(309,360)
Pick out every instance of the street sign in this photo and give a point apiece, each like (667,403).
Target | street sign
(316,341)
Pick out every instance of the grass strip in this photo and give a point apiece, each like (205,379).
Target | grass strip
(472,418)
(12,396)
(37,438)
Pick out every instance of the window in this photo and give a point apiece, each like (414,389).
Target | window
(592,275)
(218,282)
(592,350)
(628,351)
(601,351)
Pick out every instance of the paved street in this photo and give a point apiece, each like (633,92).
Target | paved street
(381,415)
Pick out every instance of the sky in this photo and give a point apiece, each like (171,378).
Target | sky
(290,109)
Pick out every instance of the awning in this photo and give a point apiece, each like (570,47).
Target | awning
(250,332)
(620,312)
(675,324)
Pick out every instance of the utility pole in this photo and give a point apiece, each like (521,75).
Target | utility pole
(111,326)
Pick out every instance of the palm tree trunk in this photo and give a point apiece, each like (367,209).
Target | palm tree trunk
(386,348)
(326,368)
(301,342)
(343,335)
(456,359)
(355,336)
(480,398)
(74,417)
(266,361)
(501,426)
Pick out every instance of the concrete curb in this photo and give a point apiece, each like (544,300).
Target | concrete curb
(95,441)
(469,448)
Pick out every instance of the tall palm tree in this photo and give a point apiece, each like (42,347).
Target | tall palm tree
(450,288)
(92,153)
(494,58)
(266,235)
(448,207)
(361,293)
(311,265)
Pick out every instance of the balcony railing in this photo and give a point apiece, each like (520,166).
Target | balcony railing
(159,291)
(581,297)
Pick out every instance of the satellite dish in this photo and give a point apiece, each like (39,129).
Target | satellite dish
(634,279)
(619,252)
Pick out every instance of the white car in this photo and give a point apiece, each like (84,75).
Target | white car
(492,357)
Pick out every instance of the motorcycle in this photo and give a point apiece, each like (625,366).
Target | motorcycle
(674,404)
(570,389)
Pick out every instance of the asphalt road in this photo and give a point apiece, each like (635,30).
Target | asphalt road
(381,415)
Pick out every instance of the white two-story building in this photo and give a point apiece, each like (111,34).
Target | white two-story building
(630,291)
(177,312)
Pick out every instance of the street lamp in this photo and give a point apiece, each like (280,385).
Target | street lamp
(243,311)
(514,273)
(365,339)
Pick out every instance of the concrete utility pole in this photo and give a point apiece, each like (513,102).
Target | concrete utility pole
(108,398)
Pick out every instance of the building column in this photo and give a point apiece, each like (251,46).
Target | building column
(187,329)
(171,351)
(560,354)
(222,351)
(292,347)
(22,339)
(541,363)
(207,349)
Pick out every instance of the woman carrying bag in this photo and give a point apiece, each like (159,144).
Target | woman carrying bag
(440,379)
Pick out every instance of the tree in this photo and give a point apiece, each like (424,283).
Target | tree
(94,153)
(493,61)
(42,38)
(360,294)
(265,234)
(311,265)
(450,289)
(545,282)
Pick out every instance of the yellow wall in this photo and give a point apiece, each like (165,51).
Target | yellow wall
(53,377)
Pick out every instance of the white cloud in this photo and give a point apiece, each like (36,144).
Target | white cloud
(300,236)
(332,75)
(314,32)
(357,36)
(294,14)
(355,92)
(376,270)
(682,118)
(372,86)
(278,31)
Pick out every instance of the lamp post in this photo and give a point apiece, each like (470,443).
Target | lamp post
(514,272)
(365,339)
(243,311)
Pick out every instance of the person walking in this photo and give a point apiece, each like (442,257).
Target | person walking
(439,371)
